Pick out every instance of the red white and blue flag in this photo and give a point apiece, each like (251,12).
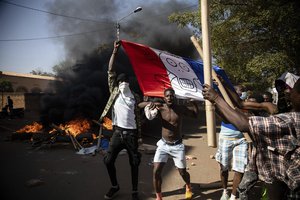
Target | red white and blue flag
(157,70)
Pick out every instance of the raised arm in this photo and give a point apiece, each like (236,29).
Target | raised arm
(111,69)
(231,115)
(267,106)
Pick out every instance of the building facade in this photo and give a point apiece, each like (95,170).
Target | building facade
(26,85)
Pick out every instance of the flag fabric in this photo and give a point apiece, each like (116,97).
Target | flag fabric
(158,70)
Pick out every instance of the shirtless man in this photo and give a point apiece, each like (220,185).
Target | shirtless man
(171,142)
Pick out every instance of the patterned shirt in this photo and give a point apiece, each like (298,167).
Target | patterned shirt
(277,141)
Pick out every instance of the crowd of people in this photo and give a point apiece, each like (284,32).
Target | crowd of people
(272,155)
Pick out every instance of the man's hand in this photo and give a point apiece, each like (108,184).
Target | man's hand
(209,93)
(117,44)
(152,106)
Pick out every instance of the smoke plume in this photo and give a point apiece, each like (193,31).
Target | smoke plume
(84,91)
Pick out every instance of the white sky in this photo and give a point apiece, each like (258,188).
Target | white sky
(20,23)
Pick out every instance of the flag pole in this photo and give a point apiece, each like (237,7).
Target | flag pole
(210,114)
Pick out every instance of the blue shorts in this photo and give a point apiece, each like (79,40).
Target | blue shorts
(164,151)
(233,152)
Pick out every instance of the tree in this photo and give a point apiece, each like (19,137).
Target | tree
(62,67)
(254,41)
(5,86)
(41,72)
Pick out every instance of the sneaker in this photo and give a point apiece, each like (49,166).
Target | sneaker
(135,196)
(111,193)
(188,194)
(224,196)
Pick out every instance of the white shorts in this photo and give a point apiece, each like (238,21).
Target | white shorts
(164,151)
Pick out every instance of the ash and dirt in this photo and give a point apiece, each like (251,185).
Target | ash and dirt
(57,172)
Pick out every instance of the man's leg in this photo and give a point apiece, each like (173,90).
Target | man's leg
(109,160)
(224,181)
(224,157)
(186,177)
(178,154)
(134,160)
(135,170)
(157,180)
(240,161)
(236,181)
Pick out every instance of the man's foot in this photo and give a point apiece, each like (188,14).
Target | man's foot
(112,192)
(188,194)
(224,196)
(135,196)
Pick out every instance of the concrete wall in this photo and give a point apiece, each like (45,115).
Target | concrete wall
(28,89)
(18,99)
(29,101)
(28,83)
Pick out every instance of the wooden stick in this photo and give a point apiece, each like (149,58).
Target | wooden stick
(63,131)
(100,135)
(220,85)
(209,108)
(74,140)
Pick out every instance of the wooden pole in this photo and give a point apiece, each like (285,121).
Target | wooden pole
(210,114)
(220,85)
(214,75)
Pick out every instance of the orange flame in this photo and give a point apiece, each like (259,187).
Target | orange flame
(33,128)
(76,126)
(107,123)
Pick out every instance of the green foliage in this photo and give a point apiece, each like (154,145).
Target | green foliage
(254,41)
(269,66)
(6,86)
(186,19)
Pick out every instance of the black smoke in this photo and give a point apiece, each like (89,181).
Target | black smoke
(83,90)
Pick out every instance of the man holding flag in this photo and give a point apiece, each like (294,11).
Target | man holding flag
(126,127)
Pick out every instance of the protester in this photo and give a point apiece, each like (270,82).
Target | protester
(253,103)
(268,97)
(277,141)
(283,85)
(250,175)
(241,91)
(232,153)
(126,127)
(10,106)
(170,145)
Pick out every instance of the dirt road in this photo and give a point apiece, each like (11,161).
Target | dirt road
(57,172)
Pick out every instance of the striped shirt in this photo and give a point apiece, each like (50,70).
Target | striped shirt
(277,141)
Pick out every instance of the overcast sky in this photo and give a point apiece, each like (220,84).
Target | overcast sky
(20,50)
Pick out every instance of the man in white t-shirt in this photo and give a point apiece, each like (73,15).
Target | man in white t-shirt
(126,127)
